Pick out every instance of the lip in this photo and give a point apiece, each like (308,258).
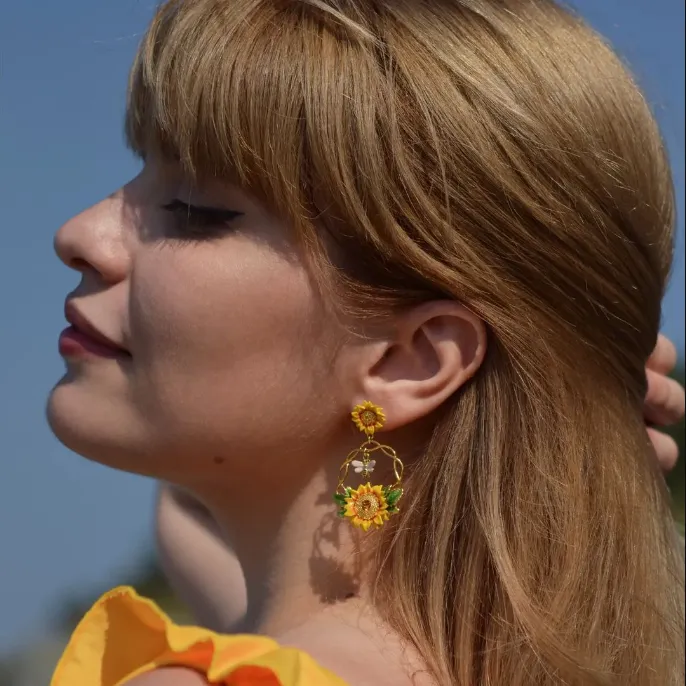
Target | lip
(82,338)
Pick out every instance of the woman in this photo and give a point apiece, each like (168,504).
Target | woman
(450,221)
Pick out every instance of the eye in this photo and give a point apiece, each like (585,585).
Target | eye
(193,222)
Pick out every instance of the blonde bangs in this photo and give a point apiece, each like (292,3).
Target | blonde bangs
(251,92)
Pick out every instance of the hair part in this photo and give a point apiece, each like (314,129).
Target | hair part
(500,154)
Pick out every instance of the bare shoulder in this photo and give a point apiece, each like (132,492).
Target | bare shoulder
(169,676)
(350,644)
(359,650)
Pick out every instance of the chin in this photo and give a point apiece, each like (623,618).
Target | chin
(92,428)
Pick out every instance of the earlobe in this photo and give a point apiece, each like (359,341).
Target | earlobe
(436,348)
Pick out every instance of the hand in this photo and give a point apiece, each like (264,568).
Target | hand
(664,401)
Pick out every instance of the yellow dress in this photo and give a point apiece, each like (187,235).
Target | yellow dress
(124,635)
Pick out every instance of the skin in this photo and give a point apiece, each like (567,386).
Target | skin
(199,561)
(664,404)
(236,386)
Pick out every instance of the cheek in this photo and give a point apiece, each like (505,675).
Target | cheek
(224,345)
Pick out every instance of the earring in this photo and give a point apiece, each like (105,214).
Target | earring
(367,504)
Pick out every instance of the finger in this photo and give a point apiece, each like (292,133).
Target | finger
(664,401)
(666,449)
(664,357)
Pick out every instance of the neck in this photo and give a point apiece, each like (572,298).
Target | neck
(297,556)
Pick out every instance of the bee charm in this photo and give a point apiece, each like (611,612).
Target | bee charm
(364,467)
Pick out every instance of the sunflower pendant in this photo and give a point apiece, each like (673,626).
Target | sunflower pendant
(368,505)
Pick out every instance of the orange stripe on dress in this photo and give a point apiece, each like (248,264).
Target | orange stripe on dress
(250,675)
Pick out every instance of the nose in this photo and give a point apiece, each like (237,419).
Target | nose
(95,241)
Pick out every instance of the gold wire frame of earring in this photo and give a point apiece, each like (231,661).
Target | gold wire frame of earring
(368,505)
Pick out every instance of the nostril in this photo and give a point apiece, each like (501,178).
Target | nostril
(79,264)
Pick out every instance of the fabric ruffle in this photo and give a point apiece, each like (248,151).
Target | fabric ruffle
(124,635)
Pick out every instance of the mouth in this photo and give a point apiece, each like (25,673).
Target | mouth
(83,339)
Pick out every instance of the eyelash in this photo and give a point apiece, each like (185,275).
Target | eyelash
(200,223)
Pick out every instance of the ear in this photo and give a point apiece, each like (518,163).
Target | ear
(435,348)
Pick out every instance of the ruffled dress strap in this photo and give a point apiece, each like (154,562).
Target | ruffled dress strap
(124,635)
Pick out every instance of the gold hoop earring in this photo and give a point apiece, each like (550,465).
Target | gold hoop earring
(368,505)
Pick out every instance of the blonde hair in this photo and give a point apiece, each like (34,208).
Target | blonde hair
(498,153)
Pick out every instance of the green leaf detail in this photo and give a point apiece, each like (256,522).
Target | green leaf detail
(348,491)
(394,496)
(339,498)
(393,510)
(341,513)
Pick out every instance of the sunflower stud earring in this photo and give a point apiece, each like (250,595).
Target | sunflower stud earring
(368,505)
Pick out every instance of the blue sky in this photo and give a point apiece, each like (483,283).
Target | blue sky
(66,524)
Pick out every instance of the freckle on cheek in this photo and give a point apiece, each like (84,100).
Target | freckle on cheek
(218,460)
